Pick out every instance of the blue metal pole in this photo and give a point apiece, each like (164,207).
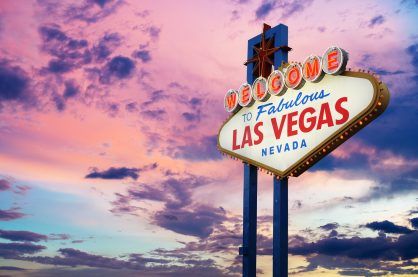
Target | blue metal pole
(280,191)
(249,248)
(280,227)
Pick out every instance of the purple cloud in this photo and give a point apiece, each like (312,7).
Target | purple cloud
(77,241)
(4,185)
(143,55)
(69,53)
(106,45)
(143,265)
(404,248)
(179,214)
(412,50)
(154,32)
(114,173)
(156,114)
(131,107)
(414,222)
(388,227)
(287,8)
(264,9)
(59,237)
(10,214)
(71,89)
(119,67)
(384,72)
(330,226)
(198,222)
(89,11)
(377,20)
(59,66)
(14,84)
(22,236)
(21,189)
(15,250)
(11,268)
(203,149)
(118,173)
(74,257)
(102,3)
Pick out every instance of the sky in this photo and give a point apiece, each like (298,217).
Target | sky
(109,112)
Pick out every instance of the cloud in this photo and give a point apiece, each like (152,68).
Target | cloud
(139,264)
(143,55)
(414,222)
(21,189)
(321,29)
(22,236)
(131,107)
(59,102)
(11,268)
(59,66)
(114,173)
(15,250)
(155,114)
(264,9)
(176,193)
(154,32)
(240,1)
(191,117)
(118,173)
(119,67)
(14,84)
(360,272)
(330,226)
(106,45)
(384,72)
(71,89)
(404,248)
(388,227)
(52,32)
(59,237)
(197,222)
(4,185)
(10,214)
(179,213)
(88,11)
(74,257)
(69,53)
(77,241)
(112,108)
(102,3)
(377,20)
(201,150)
(412,50)
(287,8)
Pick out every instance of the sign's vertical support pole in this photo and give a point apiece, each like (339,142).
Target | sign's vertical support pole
(249,244)
(249,249)
(280,190)
(280,227)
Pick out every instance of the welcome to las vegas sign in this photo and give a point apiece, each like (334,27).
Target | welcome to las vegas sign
(287,122)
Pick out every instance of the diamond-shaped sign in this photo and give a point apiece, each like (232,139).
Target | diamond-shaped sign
(286,134)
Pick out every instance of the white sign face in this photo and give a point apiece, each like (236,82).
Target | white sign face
(286,133)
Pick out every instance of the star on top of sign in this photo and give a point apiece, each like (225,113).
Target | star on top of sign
(261,58)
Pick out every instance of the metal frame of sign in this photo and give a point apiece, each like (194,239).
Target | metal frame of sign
(374,109)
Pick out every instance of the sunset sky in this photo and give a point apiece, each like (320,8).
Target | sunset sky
(109,112)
